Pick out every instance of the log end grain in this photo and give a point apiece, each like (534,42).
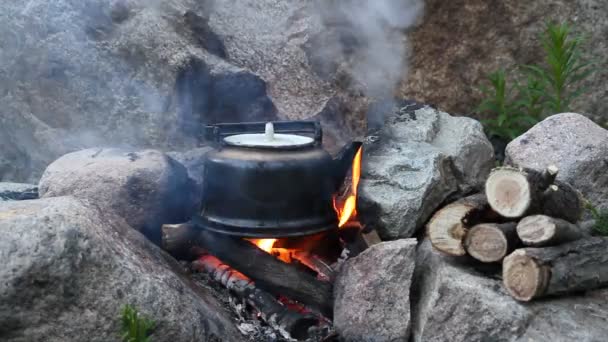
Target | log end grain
(535,229)
(523,277)
(446,230)
(508,192)
(486,243)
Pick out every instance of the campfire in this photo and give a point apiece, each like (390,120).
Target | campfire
(282,262)
(345,206)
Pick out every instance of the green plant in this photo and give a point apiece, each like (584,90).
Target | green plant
(507,119)
(601,219)
(563,69)
(539,90)
(135,328)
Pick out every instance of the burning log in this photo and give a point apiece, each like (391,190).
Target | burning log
(264,269)
(514,193)
(581,265)
(324,271)
(541,230)
(357,238)
(491,242)
(274,313)
(448,227)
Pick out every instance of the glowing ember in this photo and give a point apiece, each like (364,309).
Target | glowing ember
(350,205)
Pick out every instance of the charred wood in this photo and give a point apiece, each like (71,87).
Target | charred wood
(274,313)
(357,238)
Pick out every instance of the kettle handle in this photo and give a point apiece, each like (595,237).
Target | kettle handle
(217,132)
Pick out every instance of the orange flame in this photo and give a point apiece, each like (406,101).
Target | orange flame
(267,245)
(350,205)
(264,244)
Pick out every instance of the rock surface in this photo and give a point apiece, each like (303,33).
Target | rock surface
(372,291)
(146,188)
(576,145)
(452,53)
(68,269)
(140,73)
(17,191)
(78,74)
(418,159)
(194,161)
(456,303)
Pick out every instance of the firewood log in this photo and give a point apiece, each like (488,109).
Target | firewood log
(514,193)
(265,270)
(491,242)
(542,230)
(448,226)
(271,311)
(581,265)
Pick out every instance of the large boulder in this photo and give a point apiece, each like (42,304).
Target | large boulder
(17,191)
(139,73)
(194,162)
(455,302)
(452,54)
(68,268)
(372,293)
(78,74)
(575,144)
(417,159)
(146,188)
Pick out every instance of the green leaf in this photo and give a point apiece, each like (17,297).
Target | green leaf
(134,327)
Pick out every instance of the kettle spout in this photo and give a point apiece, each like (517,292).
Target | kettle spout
(344,161)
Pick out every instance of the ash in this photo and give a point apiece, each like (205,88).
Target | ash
(248,322)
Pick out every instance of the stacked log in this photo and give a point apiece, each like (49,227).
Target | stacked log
(528,222)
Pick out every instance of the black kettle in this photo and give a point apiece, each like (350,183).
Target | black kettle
(271,179)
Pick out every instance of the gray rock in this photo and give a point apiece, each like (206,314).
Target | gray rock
(194,161)
(18,191)
(417,160)
(68,269)
(451,54)
(575,144)
(80,74)
(372,292)
(146,188)
(454,302)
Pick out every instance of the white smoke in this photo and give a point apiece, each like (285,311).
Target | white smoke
(377,29)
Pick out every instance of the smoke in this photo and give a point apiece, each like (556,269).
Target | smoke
(370,38)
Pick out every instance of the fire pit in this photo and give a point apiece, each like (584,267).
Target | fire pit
(276,214)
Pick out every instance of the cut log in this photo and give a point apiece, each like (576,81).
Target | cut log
(542,230)
(274,313)
(491,242)
(448,227)
(563,201)
(265,270)
(581,265)
(514,193)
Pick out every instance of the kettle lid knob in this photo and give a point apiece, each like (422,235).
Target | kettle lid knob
(269,131)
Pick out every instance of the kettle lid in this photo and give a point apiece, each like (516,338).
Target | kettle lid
(269,139)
